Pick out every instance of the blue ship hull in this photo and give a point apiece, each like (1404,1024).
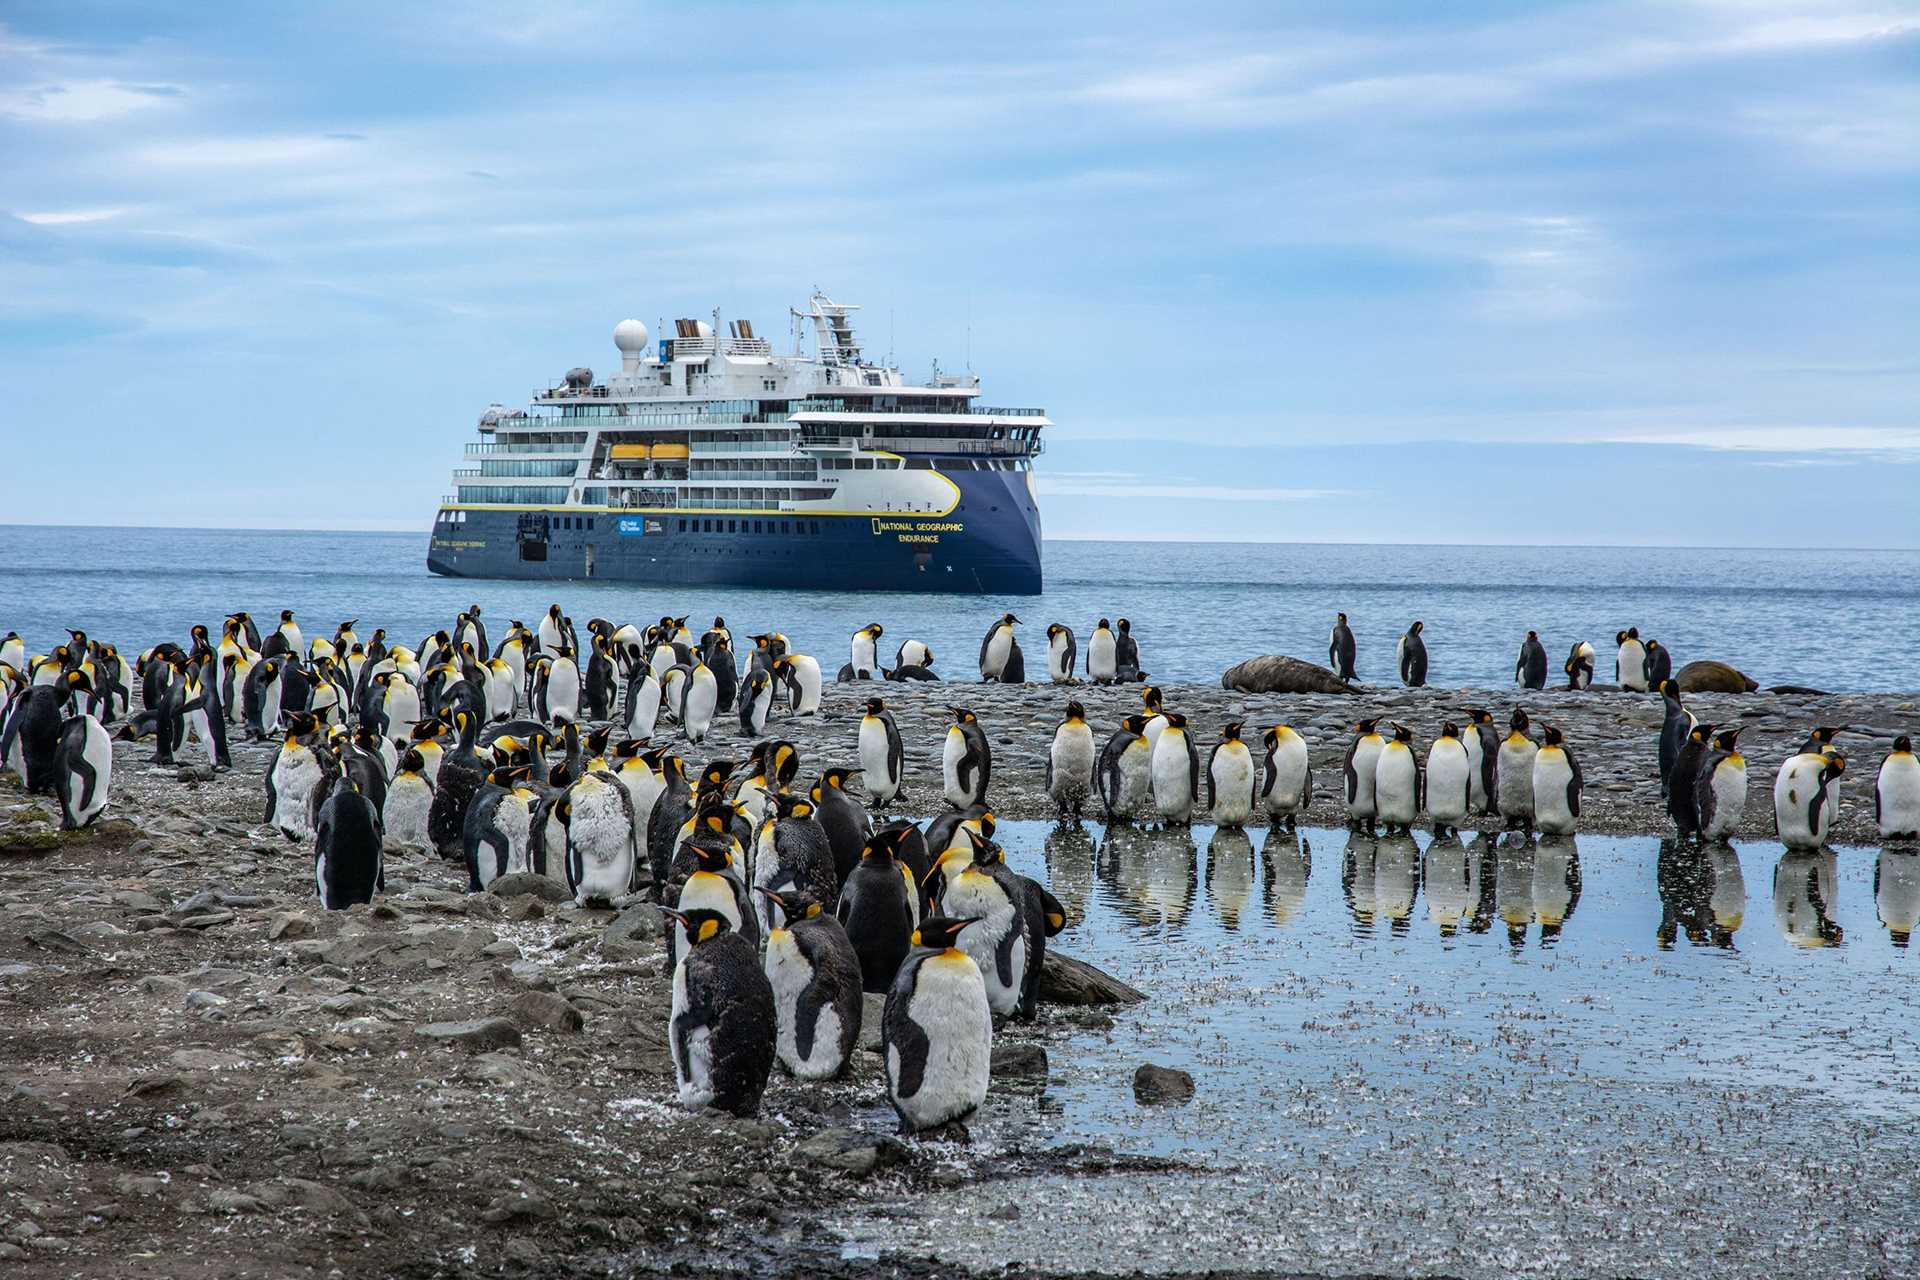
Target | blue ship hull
(988,544)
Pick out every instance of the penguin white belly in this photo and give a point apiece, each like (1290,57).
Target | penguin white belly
(409,799)
(1071,758)
(1516,778)
(1155,726)
(1100,657)
(97,753)
(1793,791)
(954,750)
(751,800)
(999,647)
(514,820)
(1059,660)
(645,708)
(1360,781)
(977,895)
(599,845)
(790,974)
(1232,777)
(1552,775)
(563,692)
(876,765)
(862,657)
(1396,784)
(696,1081)
(1285,792)
(1448,779)
(950,1006)
(702,697)
(1630,667)
(1172,777)
(1898,791)
(643,788)
(806,676)
(1136,779)
(403,707)
(1729,785)
(502,692)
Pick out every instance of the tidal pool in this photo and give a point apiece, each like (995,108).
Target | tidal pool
(1599,1056)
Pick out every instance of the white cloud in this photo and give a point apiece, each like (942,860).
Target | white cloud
(1788,439)
(65,217)
(1081,485)
(85,101)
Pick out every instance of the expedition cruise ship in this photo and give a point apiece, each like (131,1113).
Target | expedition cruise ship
(712,461)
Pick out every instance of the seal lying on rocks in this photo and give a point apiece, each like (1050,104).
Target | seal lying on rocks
(1276,673)
(1714,677)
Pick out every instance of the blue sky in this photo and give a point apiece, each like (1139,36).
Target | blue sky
(1494,272)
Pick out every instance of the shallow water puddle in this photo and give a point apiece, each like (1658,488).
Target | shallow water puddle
(1588,1056)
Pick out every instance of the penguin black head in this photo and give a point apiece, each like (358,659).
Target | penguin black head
(1401,733)
(1652,645)
(553,611)
(429,729)
(1824,735)
(1701,732)
(1150,695)
(883,843)
(1365,727)
(794,904)
(1134,724)
(1340,617)
(1176,721)
(1103,625)
(1533,635)
(1670,688)
(719,623)
(1124,626)
(961,715)
(1519,721)
(876,705)
(1075,711)
(1835,766)
(1007,619)
(876,630)
(1552,736)
(1633,633)
(715,775)
(1416,628)
(597,739)
(986,851)
(286,615)
(710,854)
(702,925)
(1450,730)
(1476,715)
(628,748)
(1903,743)
(836,778)
(1728,739)
(940,933)
(77,682)
(301,724)
(791,806)
(412,761)
(1230,732)
(1054,629)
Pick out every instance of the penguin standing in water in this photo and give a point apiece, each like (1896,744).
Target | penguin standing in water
(1449,781)
(1102,659)
(1176,772)
(1530,671)
(1286,778)
(1363,756)
(1803,795)
(999,650)
(1230,779)
(1063,653)
(349,865)
(1126,655)
(1721,789)
(1413,657)
(1579,666)
(1340,649)
(1124,773)
(1896,793)
(1556,786)
(879,908)
(864,652)
(83,771)
(1659,664)
(1630,665)
(1673,734)
(1683,793)
(966,761)
(1482,742)
(1070,762)
(1396,782)
(723,1023)
(936,1032)
(1516,774)
(815,977)
(883,757)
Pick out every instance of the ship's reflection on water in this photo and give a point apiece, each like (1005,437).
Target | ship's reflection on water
(1506,886)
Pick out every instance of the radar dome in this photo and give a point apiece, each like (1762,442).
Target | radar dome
(630,336)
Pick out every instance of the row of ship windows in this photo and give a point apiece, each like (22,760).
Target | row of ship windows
(809,528)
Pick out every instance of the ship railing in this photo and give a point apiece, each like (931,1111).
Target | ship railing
(994,411)
(483,448)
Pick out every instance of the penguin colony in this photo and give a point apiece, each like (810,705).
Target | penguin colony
(547,753)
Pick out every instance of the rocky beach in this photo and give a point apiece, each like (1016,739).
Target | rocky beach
(207,1074)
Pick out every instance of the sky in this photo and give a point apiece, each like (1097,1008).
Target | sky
(1614,273)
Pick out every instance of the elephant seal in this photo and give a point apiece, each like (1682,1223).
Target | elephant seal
(1713,677)
(1278,674)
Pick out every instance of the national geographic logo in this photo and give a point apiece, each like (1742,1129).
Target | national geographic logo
(915,530)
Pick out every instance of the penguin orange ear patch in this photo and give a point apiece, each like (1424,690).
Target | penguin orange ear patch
(708,928)
(916,939)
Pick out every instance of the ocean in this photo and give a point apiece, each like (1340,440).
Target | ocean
(1835,620)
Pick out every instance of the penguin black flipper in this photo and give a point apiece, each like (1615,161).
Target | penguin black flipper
(1015,672)
(1575,783)
(1212,755)
(1053,914)
(905,1035)
(272,795)
(1353,777)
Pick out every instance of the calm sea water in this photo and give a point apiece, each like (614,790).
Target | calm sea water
(1839,620)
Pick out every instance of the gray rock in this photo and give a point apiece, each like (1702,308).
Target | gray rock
(289,924)
(851,1151)
(870,1015)
(1019,1062)
(1154,1085)
(638,924)
(545,1009)
(516,883)
(478,1035)
(1064,980)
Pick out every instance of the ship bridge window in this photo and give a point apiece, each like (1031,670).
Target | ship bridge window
(863,464)
(919,464)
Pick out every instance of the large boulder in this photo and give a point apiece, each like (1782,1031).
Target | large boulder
(1064,980)
(1277,673)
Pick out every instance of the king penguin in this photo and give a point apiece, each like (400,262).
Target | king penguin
(1659,664)
(880,906)
(1721,789)
(1340,649)
(1126,654)
(348,862)
(1530,671)
(1063,653)
(1896,794)
(1101,662)
(723,1023)
(1286,780)
(1396,782)
(842,818)
(815,977)
(1516,774)
(1682,791)
(1231,779)
(966,761)
(1070,762)
(1579,666)
(997,649)
(864,652)
(883,757)
(83,771)
(1802,793)
(936,1030)
(1630,665)
(1176,772)
(1413,657)
(1449,781)
(1124,774)
(1556,786)
(1482,742)
(1673,734)
(1363,755)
